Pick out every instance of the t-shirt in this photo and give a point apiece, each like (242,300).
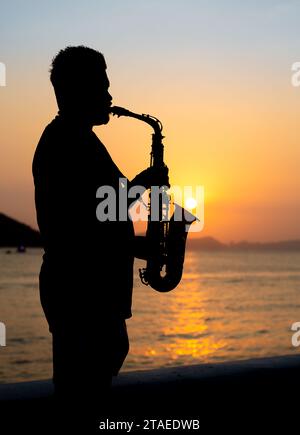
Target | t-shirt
(87,267)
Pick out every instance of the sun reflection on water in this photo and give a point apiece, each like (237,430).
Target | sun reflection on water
(188,333)
(228,306)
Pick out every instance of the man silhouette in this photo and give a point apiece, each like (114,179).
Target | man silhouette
(87,271)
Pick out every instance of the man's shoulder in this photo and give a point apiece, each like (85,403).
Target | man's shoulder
(50,144)
(51,131)
(58,136)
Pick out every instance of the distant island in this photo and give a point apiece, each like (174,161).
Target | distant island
(211,244)
(14,233)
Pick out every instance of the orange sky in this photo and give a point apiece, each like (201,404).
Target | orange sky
(230,118)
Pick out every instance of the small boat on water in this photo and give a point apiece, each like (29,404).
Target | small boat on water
(21,249)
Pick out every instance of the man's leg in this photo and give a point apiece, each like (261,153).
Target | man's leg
(81,375)
(120,345)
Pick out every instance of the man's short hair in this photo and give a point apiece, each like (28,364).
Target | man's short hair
(72,65)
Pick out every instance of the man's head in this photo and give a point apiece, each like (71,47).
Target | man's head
(80,82)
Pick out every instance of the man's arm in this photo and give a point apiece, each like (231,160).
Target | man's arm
(149,177)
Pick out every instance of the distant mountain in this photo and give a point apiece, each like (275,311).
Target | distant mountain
(209,243)
(14,233)
(284,245)
(205,243)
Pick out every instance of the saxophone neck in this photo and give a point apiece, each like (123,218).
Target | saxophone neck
(149,119)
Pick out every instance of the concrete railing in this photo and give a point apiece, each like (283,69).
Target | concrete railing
(212,392)
(166,378)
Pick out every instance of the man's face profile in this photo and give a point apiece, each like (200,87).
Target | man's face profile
(94,100)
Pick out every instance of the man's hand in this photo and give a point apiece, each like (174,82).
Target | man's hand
(152,177)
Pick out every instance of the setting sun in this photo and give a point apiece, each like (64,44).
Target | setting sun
(190,203)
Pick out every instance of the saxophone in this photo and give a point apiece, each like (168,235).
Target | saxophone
(165,239)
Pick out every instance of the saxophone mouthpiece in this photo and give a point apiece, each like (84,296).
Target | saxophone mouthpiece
(118,111)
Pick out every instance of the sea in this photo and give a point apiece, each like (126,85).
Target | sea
(230,305)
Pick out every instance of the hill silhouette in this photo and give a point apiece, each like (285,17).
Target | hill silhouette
(211,244)
(205,243)
(14,233)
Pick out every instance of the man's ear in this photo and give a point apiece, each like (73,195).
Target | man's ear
(67,97)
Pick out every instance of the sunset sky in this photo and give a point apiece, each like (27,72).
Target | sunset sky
(218,76)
